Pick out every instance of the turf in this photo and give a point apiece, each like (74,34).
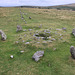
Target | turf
(54,62)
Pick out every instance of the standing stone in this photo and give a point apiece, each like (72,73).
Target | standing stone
(3,36)
(73,32)
(19,28)
(37,55)
(72,51)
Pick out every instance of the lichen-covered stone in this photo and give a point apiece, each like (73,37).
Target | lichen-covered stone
(37,55)
(3,36)
(72,51)
(19,28)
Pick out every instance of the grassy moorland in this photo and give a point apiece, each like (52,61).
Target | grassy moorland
(54,62)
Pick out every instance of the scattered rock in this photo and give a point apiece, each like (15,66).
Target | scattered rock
(27,43)
(37,34)
(3,36)
(40,26)
(24,30)
(63,28)
(49,37)
(59,29)
(54,49)
(30,29)
(22,17)
(12,56)
(38,42)
(38,38)
(42,37)
(37,55)
(73,32)
(44,42)
(29,17)
(22,51)
(52,39)
(60,34)
(25,22)
(19,28)
(72,51)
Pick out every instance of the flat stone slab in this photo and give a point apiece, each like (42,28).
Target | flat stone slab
(37,55)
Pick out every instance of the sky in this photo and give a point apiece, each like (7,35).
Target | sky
(34,2)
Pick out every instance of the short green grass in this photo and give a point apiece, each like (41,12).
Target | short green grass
(58,62)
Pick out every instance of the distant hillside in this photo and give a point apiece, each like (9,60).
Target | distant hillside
(64,7)
(59,7)
(72,5)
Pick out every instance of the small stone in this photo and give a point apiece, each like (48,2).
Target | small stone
(42,37)
(59,29)
(22,51)
(52,39)
(73,32)
(24,30)
(38,42)
(29,17)
(30,29)
(60,34)
(49,41)
(19,28)
(38,38)
(61,38)
(37,34)
(44,42)
(63,28)
(49,37)
(27,43)
(12,56)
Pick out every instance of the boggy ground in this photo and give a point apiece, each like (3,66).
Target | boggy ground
(57,59)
